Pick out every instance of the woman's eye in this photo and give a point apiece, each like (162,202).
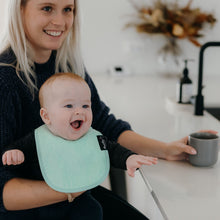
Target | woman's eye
(68,106)
(47,8)
(68,9)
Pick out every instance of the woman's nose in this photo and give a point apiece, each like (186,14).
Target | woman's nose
(58,19)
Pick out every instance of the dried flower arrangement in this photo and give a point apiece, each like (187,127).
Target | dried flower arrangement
(172,21)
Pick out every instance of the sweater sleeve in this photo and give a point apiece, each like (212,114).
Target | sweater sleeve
(118,154)
(103,121)
(8,122)
(7,133)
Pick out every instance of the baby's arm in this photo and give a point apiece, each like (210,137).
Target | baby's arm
(21,150)
(135,161)
(13,157)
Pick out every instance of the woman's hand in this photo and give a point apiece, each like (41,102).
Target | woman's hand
(72,196)
(179,150)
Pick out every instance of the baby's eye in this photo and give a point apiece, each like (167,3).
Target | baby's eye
(69,106)
(47,8)
(85,106)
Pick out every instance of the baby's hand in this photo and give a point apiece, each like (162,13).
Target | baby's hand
(135,161)
(13,157)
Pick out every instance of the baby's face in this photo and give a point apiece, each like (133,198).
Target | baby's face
(69,108)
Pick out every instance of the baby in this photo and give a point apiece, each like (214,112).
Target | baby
(65,101)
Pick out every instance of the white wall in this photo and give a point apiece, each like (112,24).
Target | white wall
(106,44)
(3,13)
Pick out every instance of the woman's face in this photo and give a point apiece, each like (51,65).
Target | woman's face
(47,24)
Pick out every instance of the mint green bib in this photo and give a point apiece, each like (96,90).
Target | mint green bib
(71,166)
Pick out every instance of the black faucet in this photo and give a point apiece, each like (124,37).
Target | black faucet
(199,102)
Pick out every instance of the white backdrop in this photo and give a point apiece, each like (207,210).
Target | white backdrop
(105,44)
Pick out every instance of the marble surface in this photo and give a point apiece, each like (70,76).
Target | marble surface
(148,103)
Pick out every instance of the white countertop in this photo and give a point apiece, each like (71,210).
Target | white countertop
(148,103)
(185,191)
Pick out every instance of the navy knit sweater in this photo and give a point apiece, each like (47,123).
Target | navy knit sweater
(19,112)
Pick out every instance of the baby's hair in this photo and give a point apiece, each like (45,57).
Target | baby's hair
(53,78)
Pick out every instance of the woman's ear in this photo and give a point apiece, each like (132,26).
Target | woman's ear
(44,116)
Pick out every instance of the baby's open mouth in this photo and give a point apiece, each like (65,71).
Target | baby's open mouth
(77,124)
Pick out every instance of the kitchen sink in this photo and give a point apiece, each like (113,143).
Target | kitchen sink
(214,111)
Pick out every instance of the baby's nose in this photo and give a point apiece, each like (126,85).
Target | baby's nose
(78,111)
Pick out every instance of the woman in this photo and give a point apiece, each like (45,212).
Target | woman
(42,39)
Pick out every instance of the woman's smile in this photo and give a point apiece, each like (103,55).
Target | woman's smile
(54,33)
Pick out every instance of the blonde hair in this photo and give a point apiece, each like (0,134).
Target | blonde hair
(68,56)
(52,79)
